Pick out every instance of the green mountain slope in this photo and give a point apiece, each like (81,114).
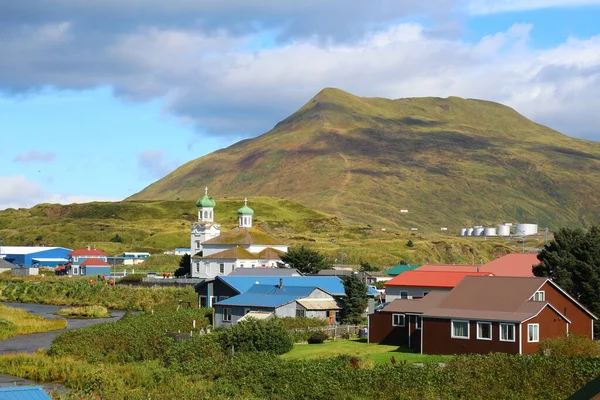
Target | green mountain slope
(450,162)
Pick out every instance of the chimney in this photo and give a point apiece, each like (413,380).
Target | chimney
(88,247)
(280,283)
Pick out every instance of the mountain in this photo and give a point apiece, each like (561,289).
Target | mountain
(450,162)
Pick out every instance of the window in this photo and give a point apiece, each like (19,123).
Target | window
(197,244)
(533,332)
(221,268)
(227,315)
(417,322)
(507,333)
(197,267)
(484,330)
(398,320)
(404,295)
(460,329)
(300,313)
(540,295)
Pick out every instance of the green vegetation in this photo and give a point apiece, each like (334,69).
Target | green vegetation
(317,337)
(185,266)
(64,291)
(14,322)
(157,226)
(370,353)
(356,299)
(254,335)
(84,312)
(570,346)
(305,260)
(450,162)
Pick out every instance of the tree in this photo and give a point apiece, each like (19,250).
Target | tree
(366,267)
(356,299)
(409,243)
(185,266)
(116,239)
(305,260)
(572,260)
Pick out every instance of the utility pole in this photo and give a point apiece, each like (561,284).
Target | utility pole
(523,251)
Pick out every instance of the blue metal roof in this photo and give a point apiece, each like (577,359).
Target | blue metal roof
(23,393)
(268,296)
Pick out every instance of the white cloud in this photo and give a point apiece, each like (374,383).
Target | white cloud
(18,192)
(35,156)
(154,164)
(480,7)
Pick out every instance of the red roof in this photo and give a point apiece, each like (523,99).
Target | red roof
(516,264)
(439,279)
(86,252)
(60,268)
(94,262)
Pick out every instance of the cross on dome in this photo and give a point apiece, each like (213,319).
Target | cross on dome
(206,190)
(246,201)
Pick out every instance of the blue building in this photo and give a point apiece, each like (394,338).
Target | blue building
(28,256)
(24,393)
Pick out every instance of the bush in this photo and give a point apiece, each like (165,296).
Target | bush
(317,337)
(255,335)
(132,278)
(303,322)
(570,346)
(409,243)
(84,312)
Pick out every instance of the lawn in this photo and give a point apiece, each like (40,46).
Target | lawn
(370,353)
(14,322)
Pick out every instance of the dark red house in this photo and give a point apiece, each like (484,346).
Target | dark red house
(482,314)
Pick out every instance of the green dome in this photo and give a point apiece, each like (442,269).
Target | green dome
(246,210)
(206,202)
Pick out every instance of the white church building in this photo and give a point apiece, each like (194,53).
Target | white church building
(242,247)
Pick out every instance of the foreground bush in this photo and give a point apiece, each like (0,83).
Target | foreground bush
(317,337)
(254,335)
(570,346)
(133,338)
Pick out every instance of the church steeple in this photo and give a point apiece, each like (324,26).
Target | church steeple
(206,207)
(245,215)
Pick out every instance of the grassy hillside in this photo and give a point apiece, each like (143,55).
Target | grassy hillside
(157,226)
(451,162)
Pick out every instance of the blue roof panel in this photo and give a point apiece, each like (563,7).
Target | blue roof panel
(331,284)
(24,393)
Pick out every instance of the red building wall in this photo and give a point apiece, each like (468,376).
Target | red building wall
(551,325)
(581,322)
(382,331)
(437,339)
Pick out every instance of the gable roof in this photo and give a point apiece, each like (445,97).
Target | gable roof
(330,284)
(514,264)
(22,250)
(268,296)
(417,306)
(6,264)
(94,262)
(271,254)
(319,304)
(235,253)
(86,252)
(439,279)
(244,236)
(400,268)
(260,272)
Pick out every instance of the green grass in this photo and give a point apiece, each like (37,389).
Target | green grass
(368,352)
(14,322)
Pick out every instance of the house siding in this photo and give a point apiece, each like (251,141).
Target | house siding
(216,289)
(581,322)
(437,339)
(551,325)
(382,331)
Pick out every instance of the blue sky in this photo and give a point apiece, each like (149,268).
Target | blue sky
(98,100)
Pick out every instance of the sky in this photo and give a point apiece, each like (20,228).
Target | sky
(100,98)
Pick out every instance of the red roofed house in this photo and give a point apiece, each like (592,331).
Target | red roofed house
(483,314)
(79,256)
(416,284)
(515,264)
(94,266)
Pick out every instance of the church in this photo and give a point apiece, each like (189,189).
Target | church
(243,247)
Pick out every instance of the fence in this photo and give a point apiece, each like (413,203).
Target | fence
(335,331)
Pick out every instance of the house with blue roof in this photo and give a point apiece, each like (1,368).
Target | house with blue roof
(279,300)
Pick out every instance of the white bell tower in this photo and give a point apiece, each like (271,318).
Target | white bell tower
(245,215)
(205,229)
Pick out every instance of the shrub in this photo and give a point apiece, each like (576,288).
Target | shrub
(303,322)
(570,346)
(132,278)
(317,337)
(255,335)
(409,243)
(85,312)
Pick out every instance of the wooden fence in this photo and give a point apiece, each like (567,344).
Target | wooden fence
(336,331)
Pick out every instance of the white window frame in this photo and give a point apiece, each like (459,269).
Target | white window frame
(403,324)
(480,323)
(537,333)
(226,315)
(542,295)
(452,322)
(514,330)
(418,322)
(404,291)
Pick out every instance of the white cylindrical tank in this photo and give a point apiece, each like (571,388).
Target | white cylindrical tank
(526,229)
(463,232)
(489,232)
(477,230)
(469,232)
(503,230)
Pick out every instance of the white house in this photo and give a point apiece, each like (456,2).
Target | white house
(242,247)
